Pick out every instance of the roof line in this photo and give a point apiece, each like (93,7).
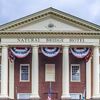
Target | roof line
(54,11)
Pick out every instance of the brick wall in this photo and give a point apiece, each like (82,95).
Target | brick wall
(78,87)
(25,87)
(22,87)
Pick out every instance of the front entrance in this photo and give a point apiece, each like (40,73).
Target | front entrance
(50,76)
(50,85)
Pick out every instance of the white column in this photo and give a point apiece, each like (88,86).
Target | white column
(35,74)
(96,72)
(4,72)
(88,79)
(65,73)
(11,79)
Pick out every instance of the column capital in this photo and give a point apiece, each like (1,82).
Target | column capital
(65,45)
(4,45)
(35,46)
(96,46)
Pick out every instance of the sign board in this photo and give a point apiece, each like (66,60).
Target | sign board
(49,41)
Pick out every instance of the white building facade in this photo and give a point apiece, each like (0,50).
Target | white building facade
(74,78)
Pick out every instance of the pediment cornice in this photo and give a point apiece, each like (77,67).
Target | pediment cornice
(29,34)
(49,12)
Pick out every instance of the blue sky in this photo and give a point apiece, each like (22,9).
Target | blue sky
(15,9)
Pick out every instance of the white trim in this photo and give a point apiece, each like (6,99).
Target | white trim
(28,73)
(79,73)
(53,41)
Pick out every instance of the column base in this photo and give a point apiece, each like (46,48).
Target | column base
(65,97)
(87,98)
(34,97)
(97,97)
(2,97)
(11,98)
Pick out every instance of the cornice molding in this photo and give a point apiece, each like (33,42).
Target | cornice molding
(20,34)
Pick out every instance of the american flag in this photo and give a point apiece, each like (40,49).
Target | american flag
(49,96)
(49,93)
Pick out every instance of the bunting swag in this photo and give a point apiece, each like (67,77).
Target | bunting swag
(50,52)
(20,52)
(80,52)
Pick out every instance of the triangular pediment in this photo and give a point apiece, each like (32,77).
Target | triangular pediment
(48,20)
(49,24)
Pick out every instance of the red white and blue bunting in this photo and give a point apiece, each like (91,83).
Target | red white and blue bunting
(50,52)
(80,52)
(20,52)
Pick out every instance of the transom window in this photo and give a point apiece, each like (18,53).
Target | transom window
(24,72)
(75,72)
